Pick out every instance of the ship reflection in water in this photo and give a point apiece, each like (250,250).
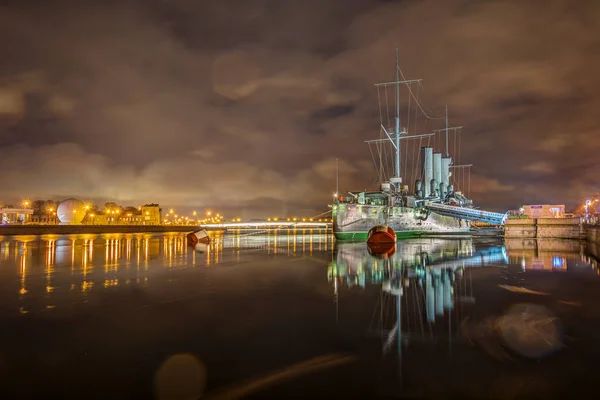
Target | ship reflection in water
(110,315)
(457,296)
(433,265)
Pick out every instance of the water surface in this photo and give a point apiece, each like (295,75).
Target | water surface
(98,316)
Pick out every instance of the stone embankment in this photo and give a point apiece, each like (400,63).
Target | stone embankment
(12,230)
(551,228)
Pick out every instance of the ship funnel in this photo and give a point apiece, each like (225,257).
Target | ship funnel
(437,167)
(426,169)
(446,163)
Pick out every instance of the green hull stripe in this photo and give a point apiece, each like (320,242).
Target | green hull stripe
(363,235)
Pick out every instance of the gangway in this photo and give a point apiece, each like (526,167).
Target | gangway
(469,214)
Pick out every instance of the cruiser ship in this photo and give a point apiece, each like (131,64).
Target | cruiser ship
(433,207)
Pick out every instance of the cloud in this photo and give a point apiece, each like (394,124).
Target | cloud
(541,167)
(481,184)
(67,170)
(11,102)
(127,99)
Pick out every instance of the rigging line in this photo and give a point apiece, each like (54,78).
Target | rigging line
(418,104)
(462,183)
(427,99)
(455,143)
(459,147)
(379,104)
(381,162)
(416,111)
(379,150)
(469,184)
(386,164)
(418,161)
(408,115)
(387,107)
(408,130)
(380,131)
(373,158)
(405,169)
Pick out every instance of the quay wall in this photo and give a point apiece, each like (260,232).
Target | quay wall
(14,230)
(550,228)
(592,233)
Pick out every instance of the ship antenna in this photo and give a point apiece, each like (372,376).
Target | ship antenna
(397,117)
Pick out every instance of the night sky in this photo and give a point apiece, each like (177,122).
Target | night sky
(243,106)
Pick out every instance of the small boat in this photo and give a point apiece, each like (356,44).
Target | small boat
(200,236)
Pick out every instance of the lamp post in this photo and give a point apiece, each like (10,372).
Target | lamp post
(587,206)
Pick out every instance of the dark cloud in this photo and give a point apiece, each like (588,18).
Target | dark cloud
(246,105)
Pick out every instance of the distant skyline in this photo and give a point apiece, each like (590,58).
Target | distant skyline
(245,106)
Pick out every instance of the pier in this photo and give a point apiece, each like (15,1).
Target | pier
(551,228)
(555,228)
(10,230)
(268,225)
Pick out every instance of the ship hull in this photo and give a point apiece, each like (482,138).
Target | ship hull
(352,222)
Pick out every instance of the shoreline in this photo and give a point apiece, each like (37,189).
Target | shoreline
(16,230)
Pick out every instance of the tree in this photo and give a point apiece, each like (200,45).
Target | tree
(50,206)
(38,206)
(110,205)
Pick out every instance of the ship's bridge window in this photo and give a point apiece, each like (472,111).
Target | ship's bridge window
(376,199)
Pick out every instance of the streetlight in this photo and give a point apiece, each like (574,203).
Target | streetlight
(588,203)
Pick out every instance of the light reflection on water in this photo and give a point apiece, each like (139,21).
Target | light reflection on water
(278,309)
(52,265)
(507,298)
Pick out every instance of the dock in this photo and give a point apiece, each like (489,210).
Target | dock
(551,228)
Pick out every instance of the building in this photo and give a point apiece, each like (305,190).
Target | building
(11,215)
(544,211)
(151,214)
(44,219)
(148,214)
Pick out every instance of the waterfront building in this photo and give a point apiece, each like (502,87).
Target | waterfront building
(12,215)
(148,214)
(544,211)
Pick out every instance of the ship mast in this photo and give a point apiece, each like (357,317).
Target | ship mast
(397,117)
